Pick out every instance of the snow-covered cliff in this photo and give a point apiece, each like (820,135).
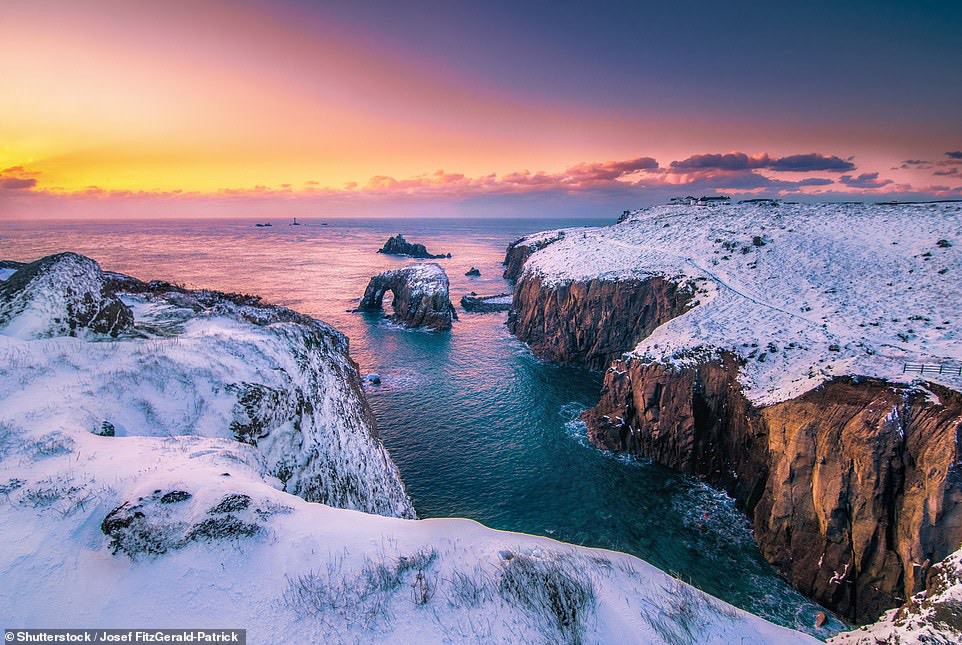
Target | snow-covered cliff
(82,352)
(800,293)
(771,350)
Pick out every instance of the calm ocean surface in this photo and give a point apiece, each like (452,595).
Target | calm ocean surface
(478,426)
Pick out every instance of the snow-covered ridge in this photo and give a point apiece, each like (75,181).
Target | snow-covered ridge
(147,480)
(800,292)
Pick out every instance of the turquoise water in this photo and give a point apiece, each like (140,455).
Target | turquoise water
(477,425)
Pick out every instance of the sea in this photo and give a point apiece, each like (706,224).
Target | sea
(478,426)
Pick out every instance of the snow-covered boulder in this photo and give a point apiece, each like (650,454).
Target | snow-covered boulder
(60,295)
(421,296)
(930,616)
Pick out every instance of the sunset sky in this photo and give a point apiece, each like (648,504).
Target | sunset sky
(124,109)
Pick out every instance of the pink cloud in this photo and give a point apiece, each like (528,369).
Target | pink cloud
(17,178)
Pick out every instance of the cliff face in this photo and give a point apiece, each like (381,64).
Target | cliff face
(933,615)
(568,323)
(863,495)
(851,486)
(421,296)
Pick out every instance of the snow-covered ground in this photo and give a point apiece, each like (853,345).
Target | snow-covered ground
(168,472)
(931,616)
(800,292)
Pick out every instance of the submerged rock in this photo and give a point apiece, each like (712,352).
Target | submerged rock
(397,245)
(420,296)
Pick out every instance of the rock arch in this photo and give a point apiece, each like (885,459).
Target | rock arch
(421,296)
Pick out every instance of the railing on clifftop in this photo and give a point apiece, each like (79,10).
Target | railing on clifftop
(942,368)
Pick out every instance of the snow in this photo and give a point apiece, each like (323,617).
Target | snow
(195,365)
(425,278)
(173,521)
(6,272)
(802,293)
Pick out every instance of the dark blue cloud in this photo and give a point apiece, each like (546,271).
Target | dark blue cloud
(865,180)
(811,162)
(955,154)
(729,161)
(733,161)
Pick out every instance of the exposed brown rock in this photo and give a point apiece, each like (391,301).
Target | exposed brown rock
(590,323)
(850,486)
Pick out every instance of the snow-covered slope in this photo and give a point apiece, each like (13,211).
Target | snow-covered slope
(801,292)
(147,480)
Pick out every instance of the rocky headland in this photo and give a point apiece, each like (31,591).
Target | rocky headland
(765,350)
(421,296)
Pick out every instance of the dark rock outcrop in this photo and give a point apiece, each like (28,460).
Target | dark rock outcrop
(851,487)
(521,249)
(591,323)
(61,295)
(167,521)
(420,296)
(486,304)
(397,245)
(473,272)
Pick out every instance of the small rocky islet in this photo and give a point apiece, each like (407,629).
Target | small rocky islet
(397,245)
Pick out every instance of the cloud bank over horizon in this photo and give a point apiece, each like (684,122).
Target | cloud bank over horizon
(582,188)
